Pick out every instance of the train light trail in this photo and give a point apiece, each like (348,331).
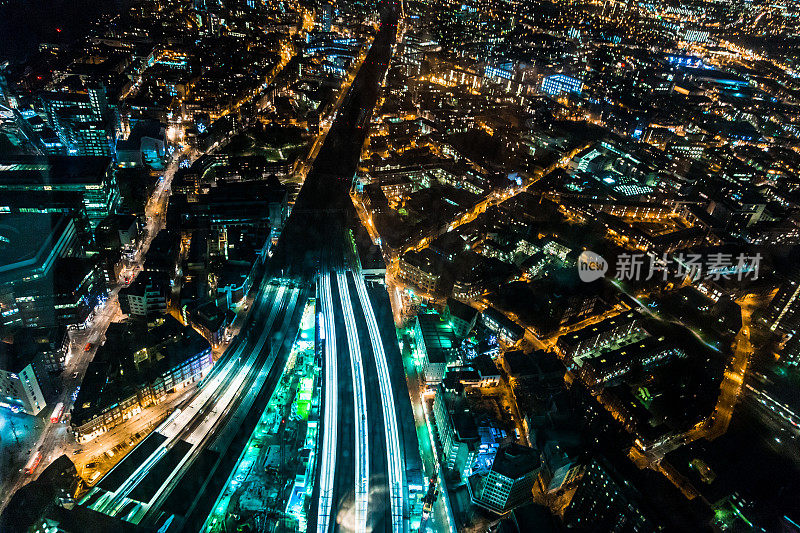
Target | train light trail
(396,492)
(359,393)
(328,462)
(207,407)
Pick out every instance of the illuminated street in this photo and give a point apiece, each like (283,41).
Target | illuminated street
(55,438)
(399,266)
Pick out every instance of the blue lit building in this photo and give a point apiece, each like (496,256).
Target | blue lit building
(502,71)
(84,122)
(680,60)
(21,376)
(327,17)
(558,84)
(510,480)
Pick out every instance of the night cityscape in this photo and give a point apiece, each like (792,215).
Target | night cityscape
(399,266)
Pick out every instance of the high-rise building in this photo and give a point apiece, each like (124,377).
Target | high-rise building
(558,84)
(84,122)
(146,296)
(31,244)
(5,94)
(83,184)
(66,297)
(605,501)
(783,313)
(695,36)
(326,17)
(436,344)
(22,377)
(509,482)
(116,232)
(87,138)
(791,351)
(560,469)
(93,102)
(458,433)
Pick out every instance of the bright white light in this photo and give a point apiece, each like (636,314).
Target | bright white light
(359,390)
(396,492)
(329,436)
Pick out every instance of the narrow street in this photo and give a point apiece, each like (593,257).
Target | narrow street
(56,439)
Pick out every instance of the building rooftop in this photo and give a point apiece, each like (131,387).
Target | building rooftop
(212,317)
(70,275)
(143,128)
(530,517)
(112,373)
(514,460)
(594,330)
(18,353)
(426,260)
(117,221)
(464,425)
(28,504)
(485,366)
(34,170)
(490,313)
(438,336)
(27,240)
(81,518)
(461,310)
(635,352)
(539,363)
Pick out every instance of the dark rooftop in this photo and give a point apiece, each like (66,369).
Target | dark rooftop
(461,310)
(26,239)
(17,354)
(599,328)
(438,336)
(485,366)
(21,170)
(539,363)
(515,460)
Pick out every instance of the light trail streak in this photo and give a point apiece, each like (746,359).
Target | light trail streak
(328,466)
(396,492)
(222,405)
(112,502)
(196,407)
(359,394)
(260,434)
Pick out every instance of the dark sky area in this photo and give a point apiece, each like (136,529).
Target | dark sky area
(26,23)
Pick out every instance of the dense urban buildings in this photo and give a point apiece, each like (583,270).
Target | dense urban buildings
(388,265)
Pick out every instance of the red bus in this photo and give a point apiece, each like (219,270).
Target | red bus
(57,412)
(33,463)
